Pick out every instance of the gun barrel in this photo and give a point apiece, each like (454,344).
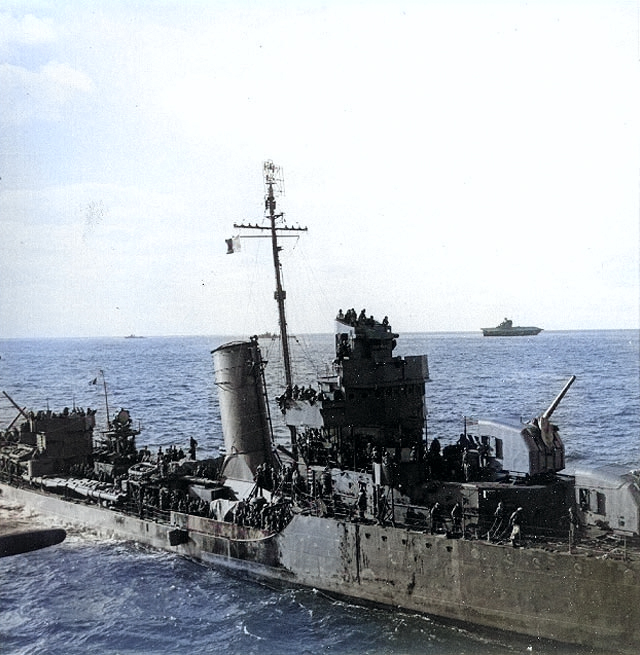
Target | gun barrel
(558,398)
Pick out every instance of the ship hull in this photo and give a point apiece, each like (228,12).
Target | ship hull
(511,332)
(559,596)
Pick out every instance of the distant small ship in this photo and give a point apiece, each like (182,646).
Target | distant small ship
(506,329)
(133,336)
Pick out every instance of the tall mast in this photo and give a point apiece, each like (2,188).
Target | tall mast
(273,183)
(270,178)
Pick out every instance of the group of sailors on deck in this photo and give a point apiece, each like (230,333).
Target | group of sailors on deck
(148,498)
(298,393)
(13,433)
(351,317)
(260,513)
(465,460)
(41,415)
(171,454)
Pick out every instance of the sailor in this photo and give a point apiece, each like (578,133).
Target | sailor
(326,482)
(463,441)
(498,520)
(573,524)
(484,451)
(259,479)
(456,518)
(437,523)
(466,465)
(434,460)
(296,480)
(193,444)
(362,501)
(515,522)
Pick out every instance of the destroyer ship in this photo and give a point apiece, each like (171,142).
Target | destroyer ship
(360,502)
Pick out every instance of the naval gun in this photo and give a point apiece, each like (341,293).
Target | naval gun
(534,450)
(549,432)
(553,406)
(607,498)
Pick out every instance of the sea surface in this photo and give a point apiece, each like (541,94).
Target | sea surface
(88,595)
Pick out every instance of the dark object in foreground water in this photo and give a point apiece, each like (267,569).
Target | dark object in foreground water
(26,541)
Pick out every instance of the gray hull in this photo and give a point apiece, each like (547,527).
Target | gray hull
(553,595)
(511,332)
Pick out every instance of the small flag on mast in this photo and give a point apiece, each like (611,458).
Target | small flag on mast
(233,245)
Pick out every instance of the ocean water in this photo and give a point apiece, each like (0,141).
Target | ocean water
(91,596)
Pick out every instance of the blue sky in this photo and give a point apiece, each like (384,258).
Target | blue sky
(455,162)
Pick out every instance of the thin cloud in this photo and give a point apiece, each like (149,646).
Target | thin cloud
(43,94)
(27,30)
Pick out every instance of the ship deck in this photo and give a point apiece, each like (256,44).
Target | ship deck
(595,544)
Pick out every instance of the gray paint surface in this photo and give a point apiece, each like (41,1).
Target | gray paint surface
(556,595)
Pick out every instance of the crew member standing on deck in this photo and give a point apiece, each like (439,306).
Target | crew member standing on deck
(437,524)
(362,501)
(498,521)
(456,518)
(515,522)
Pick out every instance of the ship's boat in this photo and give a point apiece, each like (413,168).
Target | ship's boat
(361,502)
(508,329)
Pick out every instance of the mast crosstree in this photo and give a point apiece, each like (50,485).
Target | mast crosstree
(274,185)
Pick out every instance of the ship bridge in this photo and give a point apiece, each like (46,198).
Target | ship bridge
(370,400)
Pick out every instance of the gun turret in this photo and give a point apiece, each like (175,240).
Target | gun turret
(552,407)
